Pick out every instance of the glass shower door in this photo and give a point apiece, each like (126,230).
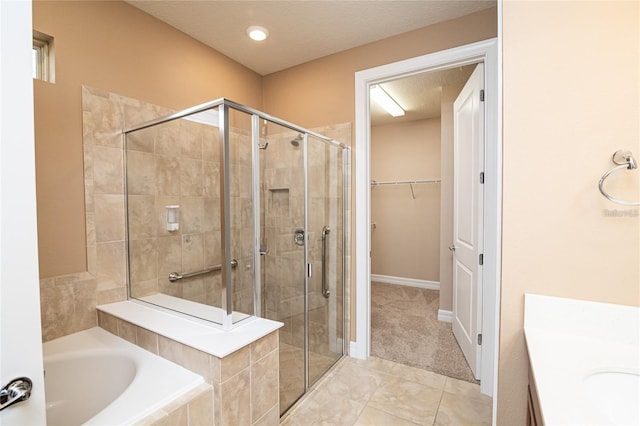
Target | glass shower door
(325,226)
(282,248)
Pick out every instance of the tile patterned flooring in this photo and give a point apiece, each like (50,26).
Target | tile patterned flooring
(380,392)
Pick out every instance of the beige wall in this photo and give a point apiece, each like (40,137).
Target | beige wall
(405,242)
(571,98)
(114,47)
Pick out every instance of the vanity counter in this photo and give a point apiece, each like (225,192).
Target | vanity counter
(578,352)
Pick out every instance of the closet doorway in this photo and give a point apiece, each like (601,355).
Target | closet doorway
(485,52)
(412,167)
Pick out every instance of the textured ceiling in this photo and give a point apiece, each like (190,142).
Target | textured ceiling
(419,95)
(300,31)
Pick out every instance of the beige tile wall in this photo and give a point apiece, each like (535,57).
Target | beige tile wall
(161,172)
(241,207)
(174,163)
(104,116)
(243,385)
(67,304)
(191,409)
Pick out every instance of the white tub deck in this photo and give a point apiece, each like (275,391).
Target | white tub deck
(82,357)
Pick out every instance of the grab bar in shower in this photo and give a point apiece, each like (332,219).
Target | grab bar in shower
(176,276)
(325,232)
(624,160)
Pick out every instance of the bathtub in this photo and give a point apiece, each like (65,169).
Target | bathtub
(95,378)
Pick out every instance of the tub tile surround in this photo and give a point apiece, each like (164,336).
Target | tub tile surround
(242,385)
(161,172)
(69,303)
(192,408)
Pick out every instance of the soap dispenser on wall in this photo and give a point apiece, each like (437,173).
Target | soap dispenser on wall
(173,218)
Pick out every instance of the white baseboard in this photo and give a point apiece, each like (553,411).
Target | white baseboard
(445,316)
(411,282)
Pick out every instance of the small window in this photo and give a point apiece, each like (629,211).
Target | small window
(42,57)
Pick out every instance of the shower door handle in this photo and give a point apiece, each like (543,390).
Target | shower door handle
(325,291)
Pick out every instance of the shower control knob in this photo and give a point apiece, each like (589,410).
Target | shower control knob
(298,237)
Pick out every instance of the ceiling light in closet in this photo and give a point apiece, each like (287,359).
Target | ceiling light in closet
(383,99)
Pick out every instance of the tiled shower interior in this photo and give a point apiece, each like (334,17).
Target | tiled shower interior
(162,172)
(284,266)
(177,163)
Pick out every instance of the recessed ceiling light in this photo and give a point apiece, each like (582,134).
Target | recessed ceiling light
(257,33)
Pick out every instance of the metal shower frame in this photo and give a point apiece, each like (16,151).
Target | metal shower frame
(223,106)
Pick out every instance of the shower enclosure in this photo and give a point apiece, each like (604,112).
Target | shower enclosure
(232,213)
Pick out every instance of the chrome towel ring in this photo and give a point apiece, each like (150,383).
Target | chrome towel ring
(625,160)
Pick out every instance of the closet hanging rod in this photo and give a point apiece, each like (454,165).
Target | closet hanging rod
(403,182)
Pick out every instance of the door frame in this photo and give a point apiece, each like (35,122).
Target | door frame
(484,51)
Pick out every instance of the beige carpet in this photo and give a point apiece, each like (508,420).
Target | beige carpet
(405,329)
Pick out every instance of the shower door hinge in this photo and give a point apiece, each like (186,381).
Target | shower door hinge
(480,339)
(482,95)
(482,177)
(481,260)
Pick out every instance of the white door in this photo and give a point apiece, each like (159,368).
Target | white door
(467,212)
(20,333)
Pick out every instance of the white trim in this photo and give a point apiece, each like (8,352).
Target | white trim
(498,206)
(411,282)
(445,316)
(484,51)
(354,351)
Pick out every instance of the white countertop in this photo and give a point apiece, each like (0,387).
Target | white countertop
(198,335)
(568,340)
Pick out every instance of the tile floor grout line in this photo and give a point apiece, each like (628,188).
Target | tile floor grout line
(435,418)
